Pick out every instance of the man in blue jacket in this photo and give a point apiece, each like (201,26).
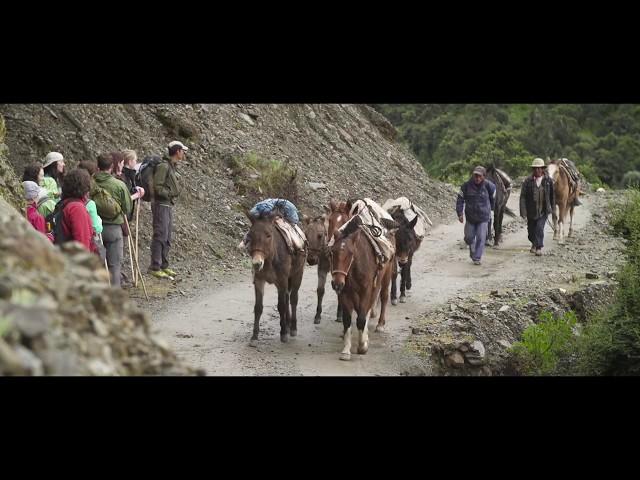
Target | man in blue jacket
(477,198)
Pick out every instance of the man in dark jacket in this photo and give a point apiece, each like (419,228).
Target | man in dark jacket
(477,197)
(165,190)
(536,203)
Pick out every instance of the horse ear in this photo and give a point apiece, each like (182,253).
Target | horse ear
(327,209)
(413,222)
(332,205)
(250,217)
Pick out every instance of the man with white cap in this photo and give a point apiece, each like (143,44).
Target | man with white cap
(536,203)
(53,174)
(164,193)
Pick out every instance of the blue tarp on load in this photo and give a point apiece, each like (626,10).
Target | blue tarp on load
(265,207)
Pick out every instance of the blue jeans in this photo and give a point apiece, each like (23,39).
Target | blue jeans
(475,235)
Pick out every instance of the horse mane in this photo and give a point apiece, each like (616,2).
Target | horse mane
(351,226)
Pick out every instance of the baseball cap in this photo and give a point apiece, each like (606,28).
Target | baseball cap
(176,143)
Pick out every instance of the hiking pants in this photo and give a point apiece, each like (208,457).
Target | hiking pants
(475,235)
(161,242)
(535,229)
(114,245)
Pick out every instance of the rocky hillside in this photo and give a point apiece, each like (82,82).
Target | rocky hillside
(338,151)
(10,188)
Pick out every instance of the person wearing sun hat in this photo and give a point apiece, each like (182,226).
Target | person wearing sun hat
(53,166)
(536,204)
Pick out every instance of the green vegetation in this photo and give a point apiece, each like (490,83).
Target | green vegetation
(608,342)
(546,345)
(257,178)
(603,140)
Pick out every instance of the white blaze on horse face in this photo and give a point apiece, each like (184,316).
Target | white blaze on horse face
(257,260)
(339,218)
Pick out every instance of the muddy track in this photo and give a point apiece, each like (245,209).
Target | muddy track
(213,330)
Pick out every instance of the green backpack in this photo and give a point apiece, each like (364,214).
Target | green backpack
(107,206)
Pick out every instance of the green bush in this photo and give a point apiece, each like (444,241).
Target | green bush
(631,179)
(256,178)
(547,346)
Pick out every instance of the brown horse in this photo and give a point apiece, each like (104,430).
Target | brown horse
(564,198)
(358,281)
(318,231)
(273,263)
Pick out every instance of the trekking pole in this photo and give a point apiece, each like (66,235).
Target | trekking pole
(137,265)
(137,221)
(105,261)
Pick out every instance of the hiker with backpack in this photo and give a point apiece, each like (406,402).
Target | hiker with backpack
(53,166)
(92,208)
(45,205)
(130,169)
(72,220)
(31,192)
(164,191)
(113,222)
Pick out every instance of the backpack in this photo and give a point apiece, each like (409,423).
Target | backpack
(42,201)
(54,220)
(107,206)
(144,177)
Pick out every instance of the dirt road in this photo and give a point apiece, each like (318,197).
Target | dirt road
(213,331)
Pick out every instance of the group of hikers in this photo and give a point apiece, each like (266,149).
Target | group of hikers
(93,203)
(477,198)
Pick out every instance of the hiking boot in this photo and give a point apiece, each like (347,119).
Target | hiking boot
(538,252)
(477,262)
(533,250)
(169,272)
(159,274)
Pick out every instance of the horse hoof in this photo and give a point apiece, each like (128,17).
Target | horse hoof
(394,301)
(403,299)
(293,333)
(408,285)
(379,328)
(339,320)
(253,343)
(284,338)
(345,356)
(362,350)
(316,320)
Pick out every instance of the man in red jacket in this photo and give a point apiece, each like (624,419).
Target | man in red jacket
(76,222)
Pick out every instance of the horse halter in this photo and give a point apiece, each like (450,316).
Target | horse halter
(345,273)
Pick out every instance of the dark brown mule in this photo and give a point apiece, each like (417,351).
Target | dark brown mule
(407,243)
(359,282)
(318,231)
(273,263)
(564,198)
(503,192)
